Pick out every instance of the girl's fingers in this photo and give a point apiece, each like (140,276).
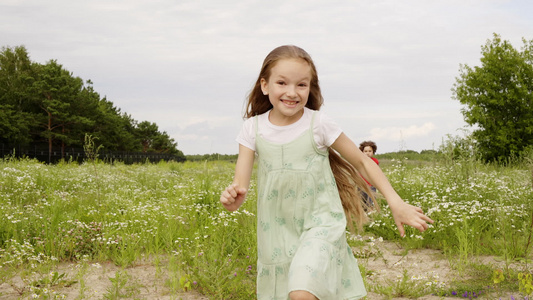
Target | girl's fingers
(228,195)
(423,224)
(224,199)
(427,219)
(401,229)
(232,193)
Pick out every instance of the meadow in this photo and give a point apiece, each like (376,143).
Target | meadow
(167,215)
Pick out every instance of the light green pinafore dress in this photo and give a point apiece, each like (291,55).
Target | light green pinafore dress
(301,225)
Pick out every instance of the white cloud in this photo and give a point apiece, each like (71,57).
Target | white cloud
(401,133)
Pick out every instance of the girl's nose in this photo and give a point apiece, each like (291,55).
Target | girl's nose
(291,91)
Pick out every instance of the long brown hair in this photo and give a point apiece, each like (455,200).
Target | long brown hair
(349,182)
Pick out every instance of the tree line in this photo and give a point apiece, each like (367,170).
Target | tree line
(44,104)
(212,157)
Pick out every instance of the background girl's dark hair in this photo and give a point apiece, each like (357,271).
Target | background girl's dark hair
(349,182)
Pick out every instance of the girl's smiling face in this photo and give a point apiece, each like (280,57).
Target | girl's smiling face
(288,90)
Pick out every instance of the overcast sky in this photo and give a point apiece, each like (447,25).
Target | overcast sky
(386,67)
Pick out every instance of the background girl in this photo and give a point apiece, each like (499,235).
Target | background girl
(307,193)
(369,148)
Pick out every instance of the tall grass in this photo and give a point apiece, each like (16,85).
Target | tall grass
(170,212)
(69,212)
(478,208)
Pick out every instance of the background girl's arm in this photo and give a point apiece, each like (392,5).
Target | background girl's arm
(402,212)
(233,196)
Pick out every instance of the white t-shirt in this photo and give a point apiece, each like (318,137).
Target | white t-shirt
(325,130)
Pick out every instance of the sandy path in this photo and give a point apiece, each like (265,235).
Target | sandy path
(384,262)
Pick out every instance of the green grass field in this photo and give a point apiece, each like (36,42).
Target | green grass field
(118,213)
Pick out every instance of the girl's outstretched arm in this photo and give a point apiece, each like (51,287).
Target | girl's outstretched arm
(233,196)
(402,212)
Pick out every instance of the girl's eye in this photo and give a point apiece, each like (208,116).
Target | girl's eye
(303,84)
(281,82)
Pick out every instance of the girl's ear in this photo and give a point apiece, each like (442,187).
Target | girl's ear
(264,86)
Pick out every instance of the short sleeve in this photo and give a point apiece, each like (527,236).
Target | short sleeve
(246,136)
(326,130)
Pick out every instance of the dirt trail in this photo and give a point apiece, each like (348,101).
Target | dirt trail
(388,261)
(384,262)
(141,281)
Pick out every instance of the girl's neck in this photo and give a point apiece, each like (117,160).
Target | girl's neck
(279,119)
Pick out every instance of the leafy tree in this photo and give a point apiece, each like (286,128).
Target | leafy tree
(152,140)
(15,126)
(498,98)
(16,107)
(113,129)
(147,132)
(58,95)
(163,143)
(127,133)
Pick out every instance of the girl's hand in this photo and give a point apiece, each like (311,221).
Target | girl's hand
(233,197)
(406,214)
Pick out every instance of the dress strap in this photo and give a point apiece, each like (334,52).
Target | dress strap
(312,135)
(256,123)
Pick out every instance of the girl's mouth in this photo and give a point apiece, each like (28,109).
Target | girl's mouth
(290,102)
